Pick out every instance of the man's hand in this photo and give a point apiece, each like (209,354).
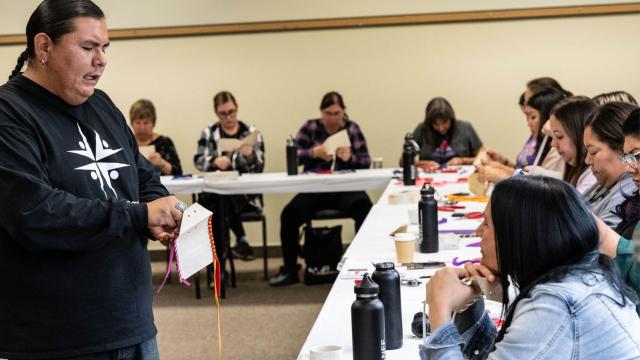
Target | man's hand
(159,234)
(222,162)
(163,218)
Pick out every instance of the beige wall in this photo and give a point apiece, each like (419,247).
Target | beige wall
(386,75)
(153,13)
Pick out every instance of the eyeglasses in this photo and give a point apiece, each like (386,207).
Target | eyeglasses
(227,113)
(630,159)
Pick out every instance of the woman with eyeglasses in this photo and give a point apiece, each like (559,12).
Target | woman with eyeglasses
(443,139)
(567,122)
(246,159)
(625,245)
(571,302)
(604,141)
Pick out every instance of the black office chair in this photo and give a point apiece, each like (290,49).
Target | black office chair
(327,214)
(329,248)
(252,216)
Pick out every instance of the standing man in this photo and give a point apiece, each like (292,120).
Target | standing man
(78,201)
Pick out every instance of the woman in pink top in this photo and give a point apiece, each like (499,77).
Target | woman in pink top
(568,120)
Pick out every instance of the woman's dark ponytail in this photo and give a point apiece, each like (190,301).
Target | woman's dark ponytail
(24,56)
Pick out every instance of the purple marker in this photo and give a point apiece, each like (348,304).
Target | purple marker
(458,231)
(456,262)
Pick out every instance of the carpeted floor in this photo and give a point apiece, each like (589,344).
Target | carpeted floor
(258,321)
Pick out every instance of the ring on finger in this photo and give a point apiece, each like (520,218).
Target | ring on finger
(181,206)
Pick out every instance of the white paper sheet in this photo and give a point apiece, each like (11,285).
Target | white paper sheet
(147,150)
(229,145)
(193,246)
(339,139)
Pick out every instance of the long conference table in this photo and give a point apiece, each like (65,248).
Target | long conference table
(373,242)
(280,182)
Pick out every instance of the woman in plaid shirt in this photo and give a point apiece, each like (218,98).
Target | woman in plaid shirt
(315,158)
(246,159)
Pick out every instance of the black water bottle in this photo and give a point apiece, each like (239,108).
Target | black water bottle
(367,322)
(428,218)
(388,279)
(292,157)
(408,160)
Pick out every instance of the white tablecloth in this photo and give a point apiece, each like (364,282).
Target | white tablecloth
(281,183)
(303,183)
(183,185)
(374,244)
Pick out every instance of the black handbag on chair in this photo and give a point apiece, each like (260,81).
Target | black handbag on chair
(322,252)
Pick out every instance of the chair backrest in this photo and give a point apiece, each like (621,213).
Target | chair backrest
(329,214)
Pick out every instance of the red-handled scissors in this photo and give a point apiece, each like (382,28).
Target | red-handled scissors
(451,208)
(469,215)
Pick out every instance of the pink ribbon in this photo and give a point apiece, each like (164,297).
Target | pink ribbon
(172,250)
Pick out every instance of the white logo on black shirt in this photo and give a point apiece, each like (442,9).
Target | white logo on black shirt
(99,170)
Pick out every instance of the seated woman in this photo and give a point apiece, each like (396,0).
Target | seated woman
(626,246)
(569,296)
(142,117)
(604,141)
(538,84)
(567,122)
(246,159)
(315,158)
(549,162)
(443,139)
(619,96)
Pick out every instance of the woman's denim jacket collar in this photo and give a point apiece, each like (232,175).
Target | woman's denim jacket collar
(547,324)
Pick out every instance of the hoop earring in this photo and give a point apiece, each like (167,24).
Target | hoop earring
(43,61)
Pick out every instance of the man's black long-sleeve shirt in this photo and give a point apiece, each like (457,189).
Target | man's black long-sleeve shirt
(75,276)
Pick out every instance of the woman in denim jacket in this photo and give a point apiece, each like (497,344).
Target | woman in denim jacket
(571,302)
